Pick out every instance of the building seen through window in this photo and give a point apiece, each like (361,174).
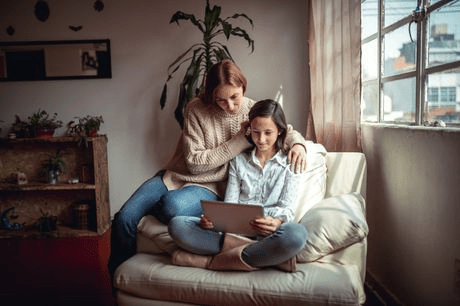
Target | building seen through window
(411,71)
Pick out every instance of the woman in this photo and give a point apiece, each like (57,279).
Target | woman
(260,175)
(214,133)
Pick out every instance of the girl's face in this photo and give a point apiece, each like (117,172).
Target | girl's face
(264,133)
(229,98)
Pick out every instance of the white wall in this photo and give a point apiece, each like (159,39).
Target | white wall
(413,211)
(141,136)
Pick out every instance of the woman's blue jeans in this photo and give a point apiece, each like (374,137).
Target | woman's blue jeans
(153,198)
(286,242)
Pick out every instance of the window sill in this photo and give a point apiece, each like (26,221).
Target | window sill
(448,129)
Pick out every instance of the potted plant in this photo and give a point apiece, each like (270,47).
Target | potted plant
(53,167)
(46,223)
(91,124)
(202,55)
(20,128)
(44,124)
(85,126)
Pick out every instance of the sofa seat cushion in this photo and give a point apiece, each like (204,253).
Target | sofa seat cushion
(154,277)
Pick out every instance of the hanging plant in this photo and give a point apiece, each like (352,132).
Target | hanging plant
(202,55)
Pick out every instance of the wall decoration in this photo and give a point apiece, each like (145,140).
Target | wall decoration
(10,30)
(42,10)
(21,178)
(26,60)
(98,5)
(74,28)
(5,222)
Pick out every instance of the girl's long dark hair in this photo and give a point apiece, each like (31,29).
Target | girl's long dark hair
(271,109)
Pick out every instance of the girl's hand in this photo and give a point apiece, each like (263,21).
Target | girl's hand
(205,223)
(297,157)
(265,226)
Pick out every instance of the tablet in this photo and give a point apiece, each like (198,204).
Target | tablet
(232,217)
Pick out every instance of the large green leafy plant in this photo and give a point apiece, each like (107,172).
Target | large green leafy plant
(201,56)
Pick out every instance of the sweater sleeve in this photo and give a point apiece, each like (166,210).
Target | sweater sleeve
(233,187)
(203,153)
(293,137)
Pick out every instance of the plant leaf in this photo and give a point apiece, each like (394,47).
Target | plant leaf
(236,16)
(182,56)
(227,28)
(179,15)
(211,16)
(242,33)
(163,96)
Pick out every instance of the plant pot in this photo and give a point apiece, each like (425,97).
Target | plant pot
(92,133)
(53,177)
(44,133)
(47,224)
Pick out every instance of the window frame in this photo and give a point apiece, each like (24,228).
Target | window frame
(422,70)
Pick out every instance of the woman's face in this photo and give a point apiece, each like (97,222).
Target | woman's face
(264,133)
(229,98)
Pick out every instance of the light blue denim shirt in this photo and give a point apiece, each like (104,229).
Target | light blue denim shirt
(275,185)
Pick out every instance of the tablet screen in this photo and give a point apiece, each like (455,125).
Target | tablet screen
(232,217)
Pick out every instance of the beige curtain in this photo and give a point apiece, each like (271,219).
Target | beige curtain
(334,41)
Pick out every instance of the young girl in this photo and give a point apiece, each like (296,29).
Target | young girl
(261,175)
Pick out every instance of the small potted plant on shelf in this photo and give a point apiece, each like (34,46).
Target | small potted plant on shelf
(20,128)
(46,223)
(85,127)
(53,168)
(44,124)
(91,124)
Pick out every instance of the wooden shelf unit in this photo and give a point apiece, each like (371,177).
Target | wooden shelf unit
(86,162)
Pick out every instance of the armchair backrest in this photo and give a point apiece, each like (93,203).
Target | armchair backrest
(346,172)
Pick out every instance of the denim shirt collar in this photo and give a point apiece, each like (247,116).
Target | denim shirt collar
(279,158)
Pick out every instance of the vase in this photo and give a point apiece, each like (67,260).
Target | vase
(53,177)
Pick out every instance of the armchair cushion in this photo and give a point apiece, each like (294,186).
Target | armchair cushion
(313,186)
(332,224)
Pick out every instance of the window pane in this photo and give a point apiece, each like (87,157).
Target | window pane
(369,60)
(369,18)
(447,106)
(399,52)
(370,102)
(399,100)
(444,34)
(433,94)
(397,9)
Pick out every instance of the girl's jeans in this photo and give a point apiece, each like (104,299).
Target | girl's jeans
(286,242)
(152,197)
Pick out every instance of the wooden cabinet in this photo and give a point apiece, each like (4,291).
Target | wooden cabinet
(85,162)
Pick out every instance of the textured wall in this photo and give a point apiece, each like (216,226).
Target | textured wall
(413,210)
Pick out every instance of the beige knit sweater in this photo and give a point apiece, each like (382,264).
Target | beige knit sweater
(210,139)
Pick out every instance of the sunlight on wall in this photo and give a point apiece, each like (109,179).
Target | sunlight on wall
(279,96)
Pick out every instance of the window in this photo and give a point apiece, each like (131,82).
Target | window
(410,59)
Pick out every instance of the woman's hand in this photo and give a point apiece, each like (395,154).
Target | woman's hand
(244,127)
(297,158)
(205,223)
(265,226)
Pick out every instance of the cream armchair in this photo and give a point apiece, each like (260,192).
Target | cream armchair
(330,270)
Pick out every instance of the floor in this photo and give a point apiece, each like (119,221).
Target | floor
(372,297)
